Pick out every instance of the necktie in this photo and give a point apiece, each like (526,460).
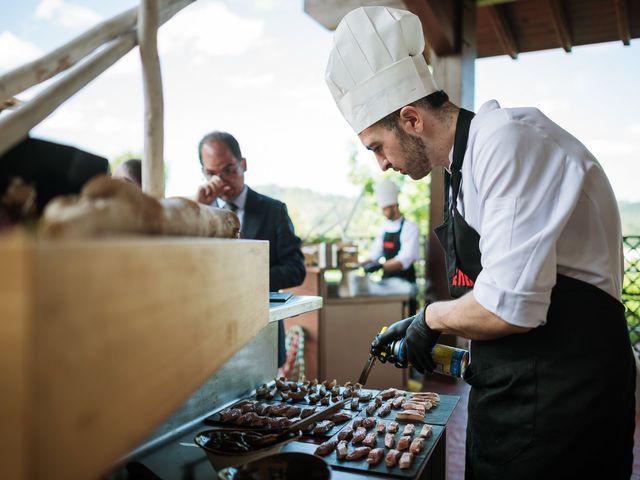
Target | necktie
(231,206)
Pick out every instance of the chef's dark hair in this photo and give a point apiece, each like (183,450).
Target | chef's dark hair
(224,137)
(433,101)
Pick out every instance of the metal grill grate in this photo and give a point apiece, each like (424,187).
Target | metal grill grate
(631,287)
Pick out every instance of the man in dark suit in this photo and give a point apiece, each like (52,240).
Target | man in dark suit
(261,217)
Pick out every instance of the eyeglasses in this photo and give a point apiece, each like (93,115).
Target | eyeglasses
(227,172)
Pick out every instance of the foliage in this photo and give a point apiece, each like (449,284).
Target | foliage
(128,155)
(123,157)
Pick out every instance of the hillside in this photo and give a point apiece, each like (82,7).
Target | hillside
(630,214)
(317,216)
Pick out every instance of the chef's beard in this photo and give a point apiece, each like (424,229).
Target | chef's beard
(417,163)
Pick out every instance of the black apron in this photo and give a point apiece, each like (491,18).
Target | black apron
(558,401)
(391,245)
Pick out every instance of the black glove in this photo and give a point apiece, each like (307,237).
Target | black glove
(419,341)
(371,267)
(395,332)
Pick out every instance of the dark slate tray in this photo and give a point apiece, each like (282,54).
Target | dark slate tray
(362,465)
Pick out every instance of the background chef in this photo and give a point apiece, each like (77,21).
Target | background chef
(396,248)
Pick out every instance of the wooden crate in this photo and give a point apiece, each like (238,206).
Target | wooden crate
(101,340)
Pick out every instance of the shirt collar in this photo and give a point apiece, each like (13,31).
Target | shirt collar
(241,199)
(484,108)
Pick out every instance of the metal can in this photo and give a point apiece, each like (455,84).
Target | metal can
(450,361)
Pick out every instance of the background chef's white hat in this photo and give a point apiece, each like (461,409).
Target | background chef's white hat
(386,193)
(376,64)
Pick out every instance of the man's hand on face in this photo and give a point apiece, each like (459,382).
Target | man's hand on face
(209,191)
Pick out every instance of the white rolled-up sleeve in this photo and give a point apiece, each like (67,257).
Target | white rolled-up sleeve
(527,190)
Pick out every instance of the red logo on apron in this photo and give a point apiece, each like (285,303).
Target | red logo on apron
(461,279)
(389,244)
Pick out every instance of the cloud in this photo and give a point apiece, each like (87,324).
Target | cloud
(267,5)
(603,147)
(14,51)
(66,14)
(634,129)
(208,29)
(238,81)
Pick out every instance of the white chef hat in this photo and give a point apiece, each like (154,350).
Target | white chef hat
(386,193)
(376,64)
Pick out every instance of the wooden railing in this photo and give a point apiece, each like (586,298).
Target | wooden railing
(84,58)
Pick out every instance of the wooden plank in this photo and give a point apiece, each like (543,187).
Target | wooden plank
(560,23)
(503,30)
(438,24)
(15,360)
(622,20)
(67,55)
(122,332)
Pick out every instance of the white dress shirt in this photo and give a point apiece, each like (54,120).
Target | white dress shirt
(409,242)
(239,202)
(542,205)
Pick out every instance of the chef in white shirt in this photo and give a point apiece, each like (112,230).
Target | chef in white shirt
(396,247)
(533,251)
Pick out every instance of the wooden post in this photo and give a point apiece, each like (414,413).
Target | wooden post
(455,74)
(153,158)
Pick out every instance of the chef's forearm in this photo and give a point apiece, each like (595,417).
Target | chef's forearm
(466,318)
(392,265)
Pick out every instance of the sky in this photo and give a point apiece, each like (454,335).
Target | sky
(255,68)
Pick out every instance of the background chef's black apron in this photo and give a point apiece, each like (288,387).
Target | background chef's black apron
(558,401)
(391,246)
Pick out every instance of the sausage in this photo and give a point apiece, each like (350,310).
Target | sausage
(384,410)
(371,440)
(326,448)
(342,449)
(409,429)
(403,443)
(417,445)
(427,431)
(405,460)
(389,440)
(368,422)
(345,434)
(375,456)
(358,453)
(392,458)
(411,415)
(359,435)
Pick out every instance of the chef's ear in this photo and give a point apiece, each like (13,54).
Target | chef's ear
(243,164)
(411,120)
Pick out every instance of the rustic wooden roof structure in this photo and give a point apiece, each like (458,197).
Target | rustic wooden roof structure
(508,27)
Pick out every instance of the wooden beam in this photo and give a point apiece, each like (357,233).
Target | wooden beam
(153,158)
(622,17)
(437,20)
(67,55)
(558,14)
(503,29)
